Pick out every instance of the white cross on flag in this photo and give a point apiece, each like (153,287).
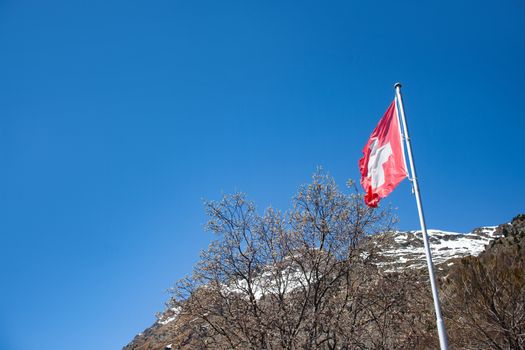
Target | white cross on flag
(383,164)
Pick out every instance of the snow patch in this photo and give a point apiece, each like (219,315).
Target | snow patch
(169,315)
(408,247)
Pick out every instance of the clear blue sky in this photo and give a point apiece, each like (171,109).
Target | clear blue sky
(118,117)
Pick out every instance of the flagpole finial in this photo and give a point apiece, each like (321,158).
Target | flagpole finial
(396,85)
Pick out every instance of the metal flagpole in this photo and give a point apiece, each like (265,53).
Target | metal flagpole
(439,319)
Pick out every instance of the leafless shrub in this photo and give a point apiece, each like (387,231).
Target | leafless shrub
(485,295)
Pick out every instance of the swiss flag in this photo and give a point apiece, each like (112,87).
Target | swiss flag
(383,164)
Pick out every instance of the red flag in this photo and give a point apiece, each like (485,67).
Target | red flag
(383,164)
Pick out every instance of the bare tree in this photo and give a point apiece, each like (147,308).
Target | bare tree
(305,279)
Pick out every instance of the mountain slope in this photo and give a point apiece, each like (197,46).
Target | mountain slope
(397,251)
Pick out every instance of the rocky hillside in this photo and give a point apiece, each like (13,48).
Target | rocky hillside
(397,251)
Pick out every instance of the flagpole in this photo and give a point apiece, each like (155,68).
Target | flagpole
(439,319)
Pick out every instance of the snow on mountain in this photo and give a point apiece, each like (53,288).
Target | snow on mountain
(168,316)
(272,281)
(399,250)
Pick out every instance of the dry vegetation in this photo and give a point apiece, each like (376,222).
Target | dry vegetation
(308,279)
